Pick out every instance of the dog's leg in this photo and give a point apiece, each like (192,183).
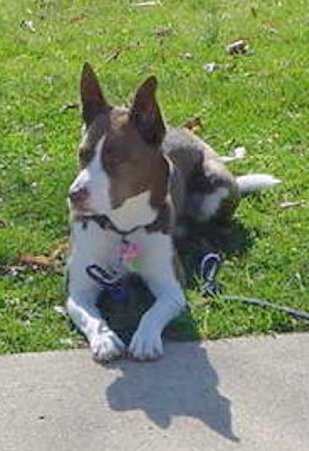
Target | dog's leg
(159,273)
(104,343)
(212,193)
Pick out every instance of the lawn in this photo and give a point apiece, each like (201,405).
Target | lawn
(258,100)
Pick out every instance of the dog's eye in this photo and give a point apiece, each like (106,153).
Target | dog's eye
(85,155)
(112,156)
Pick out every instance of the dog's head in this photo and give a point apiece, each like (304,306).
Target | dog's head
(122,169)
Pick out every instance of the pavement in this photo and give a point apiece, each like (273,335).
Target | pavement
(242,394)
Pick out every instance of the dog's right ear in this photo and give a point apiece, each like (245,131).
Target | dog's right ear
(92,98)
(145,112)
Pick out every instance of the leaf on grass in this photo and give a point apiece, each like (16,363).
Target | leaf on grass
(146,4)
(194,124)
(77,18)
(28,25)
(67,342)
(238,153)
(60,310)
(68,106)
(60,251)
(114,54)
(73,343)
(291,204)
(11,271)
(45,157)
(164,31)
(269,27)
(212,67)
(187,56)
(44,261)
(272,30)
(3,224)
(39,261)
(238,47)
(36,128)
(253,11)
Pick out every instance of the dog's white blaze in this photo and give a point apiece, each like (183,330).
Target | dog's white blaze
(211,203)
(135,211)
(97,182)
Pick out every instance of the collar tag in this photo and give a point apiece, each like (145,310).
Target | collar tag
(129,254)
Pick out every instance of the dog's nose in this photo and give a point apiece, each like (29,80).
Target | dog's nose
(78,194)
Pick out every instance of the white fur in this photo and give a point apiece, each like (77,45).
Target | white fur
(211,203)
(93,245)
(238,154)
(135,211)
(159,273)
(97,182)
(255,182)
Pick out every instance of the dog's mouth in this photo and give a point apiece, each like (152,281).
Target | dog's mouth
(80,208)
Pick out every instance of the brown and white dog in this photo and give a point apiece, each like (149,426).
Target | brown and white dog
(142,177)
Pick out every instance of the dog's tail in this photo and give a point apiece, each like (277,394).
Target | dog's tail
(255,182)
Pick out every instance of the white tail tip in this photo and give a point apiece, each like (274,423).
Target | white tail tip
(255,182)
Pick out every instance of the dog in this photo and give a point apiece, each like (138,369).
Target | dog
(139,179)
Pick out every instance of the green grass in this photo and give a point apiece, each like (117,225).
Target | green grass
(261,103)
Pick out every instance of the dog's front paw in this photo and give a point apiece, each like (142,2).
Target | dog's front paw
(106,346)
(146,345)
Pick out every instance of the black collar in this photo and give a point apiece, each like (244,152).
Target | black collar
(161,223)
(105,223)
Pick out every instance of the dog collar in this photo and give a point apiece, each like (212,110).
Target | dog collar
(162,222)
(105,223)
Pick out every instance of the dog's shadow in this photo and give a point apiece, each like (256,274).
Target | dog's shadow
(183,384)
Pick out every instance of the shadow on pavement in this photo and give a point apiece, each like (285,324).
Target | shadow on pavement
(184,383)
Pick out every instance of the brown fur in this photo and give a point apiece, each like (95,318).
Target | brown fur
(140,153)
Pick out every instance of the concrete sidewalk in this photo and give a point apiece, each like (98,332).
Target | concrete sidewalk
(243,394)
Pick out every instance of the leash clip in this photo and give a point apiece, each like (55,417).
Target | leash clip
(101,276)
(209,268)
(111,282)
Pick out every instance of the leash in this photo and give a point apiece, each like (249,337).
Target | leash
(209,268)
(114,282)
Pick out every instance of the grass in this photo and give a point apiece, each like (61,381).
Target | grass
(259,102)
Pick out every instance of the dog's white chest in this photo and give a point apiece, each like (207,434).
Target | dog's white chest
(92,245)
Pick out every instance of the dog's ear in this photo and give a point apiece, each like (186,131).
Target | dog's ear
(145,113)
(92,98)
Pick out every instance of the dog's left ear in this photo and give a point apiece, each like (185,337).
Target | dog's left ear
(92,98)
(146,115)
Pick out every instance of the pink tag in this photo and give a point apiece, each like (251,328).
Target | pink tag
(129,252)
